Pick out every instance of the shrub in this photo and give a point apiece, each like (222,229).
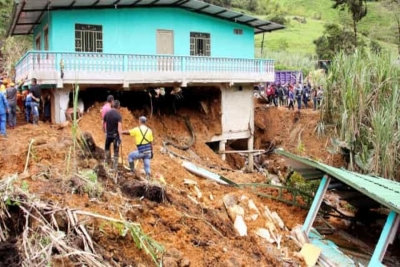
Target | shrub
(279,19)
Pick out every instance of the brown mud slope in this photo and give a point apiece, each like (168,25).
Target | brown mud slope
(294,131)
(194,228)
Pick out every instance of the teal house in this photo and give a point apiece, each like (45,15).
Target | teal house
(137,44)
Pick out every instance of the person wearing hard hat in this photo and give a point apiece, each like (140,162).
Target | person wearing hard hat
(144,140)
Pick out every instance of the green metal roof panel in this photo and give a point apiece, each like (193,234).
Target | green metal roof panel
(384,191)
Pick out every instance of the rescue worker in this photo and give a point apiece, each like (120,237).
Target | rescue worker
(3,114)
(11,94)
(36,95)
(144,143)
(113,130)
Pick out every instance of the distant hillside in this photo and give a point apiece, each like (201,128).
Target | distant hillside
(306,20)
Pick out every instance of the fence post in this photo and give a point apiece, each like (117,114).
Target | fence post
(125,64)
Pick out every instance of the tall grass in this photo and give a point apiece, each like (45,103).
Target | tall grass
(362,98)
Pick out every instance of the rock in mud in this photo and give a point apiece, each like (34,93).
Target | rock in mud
(185,262)
(170,262)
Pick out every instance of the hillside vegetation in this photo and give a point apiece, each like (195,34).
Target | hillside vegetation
(306,20)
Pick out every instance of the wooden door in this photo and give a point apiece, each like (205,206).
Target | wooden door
(165,46)
(165,42)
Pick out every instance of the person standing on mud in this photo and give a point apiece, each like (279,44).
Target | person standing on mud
(11,94)
(291,100)
(3,114)
(28,106)
(144,143)
(36,95)
(299,93)
(107,107)
(315,97)
(113,130)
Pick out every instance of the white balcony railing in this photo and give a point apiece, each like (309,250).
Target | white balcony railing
(42,62)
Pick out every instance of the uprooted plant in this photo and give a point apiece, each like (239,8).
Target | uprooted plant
(43,240)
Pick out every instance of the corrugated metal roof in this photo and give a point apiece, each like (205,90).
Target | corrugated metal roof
(384,191)
(27,14)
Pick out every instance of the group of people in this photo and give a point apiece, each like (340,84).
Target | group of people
(289,94)
(112,126)
(13,98)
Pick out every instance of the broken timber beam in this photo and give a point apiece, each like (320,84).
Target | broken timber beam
(207,174)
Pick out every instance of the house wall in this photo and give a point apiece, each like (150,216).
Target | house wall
(237,112)
(133,31)
(39,30)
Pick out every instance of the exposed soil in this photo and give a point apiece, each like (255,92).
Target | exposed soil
(194,229)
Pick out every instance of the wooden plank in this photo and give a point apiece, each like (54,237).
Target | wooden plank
(310,254)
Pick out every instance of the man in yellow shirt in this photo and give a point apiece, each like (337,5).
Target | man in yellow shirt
(144,142)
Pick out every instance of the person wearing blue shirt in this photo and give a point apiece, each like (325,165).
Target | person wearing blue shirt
(28,107)
(291,100)
(4,108)
(36,96)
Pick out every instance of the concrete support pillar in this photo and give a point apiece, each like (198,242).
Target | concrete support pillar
(222,147)
(319,196)
(61,99)
(250,147)
(250,143)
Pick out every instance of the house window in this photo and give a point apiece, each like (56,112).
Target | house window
(238,31)
(88,38)
(46,38)
(200,44)
(37,43)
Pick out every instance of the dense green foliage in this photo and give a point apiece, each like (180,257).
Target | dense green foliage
(306,21)
(12,48)
(362,99)
(5,10)
(357,9)
(335,39)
